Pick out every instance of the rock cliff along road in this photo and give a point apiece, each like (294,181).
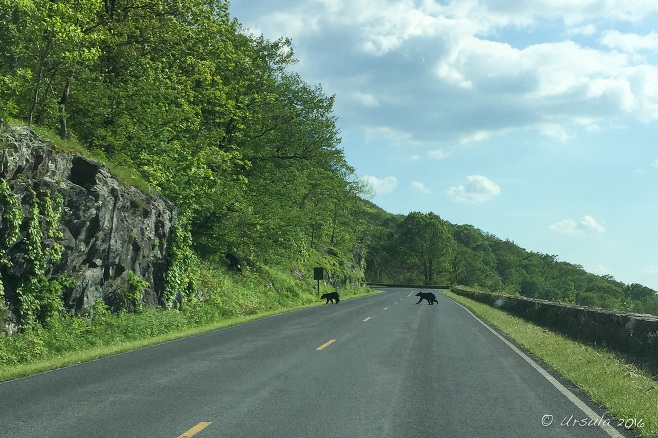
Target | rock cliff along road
(378,366)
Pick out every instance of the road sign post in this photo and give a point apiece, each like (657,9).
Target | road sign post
(318,274)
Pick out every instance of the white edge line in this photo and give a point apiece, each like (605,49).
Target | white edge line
(568,394)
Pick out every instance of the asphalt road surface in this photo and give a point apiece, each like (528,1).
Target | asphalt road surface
(378,366)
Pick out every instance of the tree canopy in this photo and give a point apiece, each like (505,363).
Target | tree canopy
(210,114)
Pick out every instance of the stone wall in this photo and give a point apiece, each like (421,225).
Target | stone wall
(109,229)
(627,333)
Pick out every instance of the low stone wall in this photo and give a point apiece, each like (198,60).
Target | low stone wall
(627,333)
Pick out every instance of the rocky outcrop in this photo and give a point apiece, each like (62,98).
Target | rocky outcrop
(108,229)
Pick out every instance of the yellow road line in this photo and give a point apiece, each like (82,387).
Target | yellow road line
(385,308)
(196,429)
(412,291)
(325,345)
(366,319)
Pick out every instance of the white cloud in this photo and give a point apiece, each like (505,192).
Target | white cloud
(655,163)
(520,13)
(477,189)
(598,269)
(395,136)
(569,226)
(630,42)
(365,99)
(387,56)
(419,187)
(381,186)
(437,154)
(587,30)
(554,131)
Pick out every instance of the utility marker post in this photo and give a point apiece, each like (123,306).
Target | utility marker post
(318,274)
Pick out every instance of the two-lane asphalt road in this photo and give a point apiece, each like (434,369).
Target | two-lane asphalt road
(378,366)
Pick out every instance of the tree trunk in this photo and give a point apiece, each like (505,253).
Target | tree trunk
(42,67)
(63,131)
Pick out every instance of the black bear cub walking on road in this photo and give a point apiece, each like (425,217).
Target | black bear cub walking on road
(429,296)
(331,297)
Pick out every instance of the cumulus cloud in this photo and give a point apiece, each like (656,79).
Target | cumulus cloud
(381,186)
(587,30)
(477,189)
(419,187)
(570,226)
(437,154)
(425,72)
(366,99)
(630,42)
(598,269)
(395,136)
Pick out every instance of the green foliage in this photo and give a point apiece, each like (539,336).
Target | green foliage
(419,250)
(207,112)
(183,268)
(11,220)
(41,298)
(128,298)
(134,293)
(12,216)
(401,251)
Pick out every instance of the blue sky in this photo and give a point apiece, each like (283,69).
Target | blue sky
(534,120)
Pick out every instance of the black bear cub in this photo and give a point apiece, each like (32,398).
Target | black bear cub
(429,296)
(331,297)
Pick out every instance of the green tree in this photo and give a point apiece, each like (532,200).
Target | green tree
(425,241)
(47,44)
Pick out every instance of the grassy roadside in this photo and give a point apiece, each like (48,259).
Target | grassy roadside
(621,388)
(70,341)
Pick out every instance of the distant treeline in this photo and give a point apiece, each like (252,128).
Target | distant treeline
(424,249)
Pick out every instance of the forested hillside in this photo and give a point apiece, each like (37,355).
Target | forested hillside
(176,97)
(214,119)
(424,249)
(209,114)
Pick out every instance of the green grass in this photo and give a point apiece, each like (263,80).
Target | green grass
(228,301)
(620,387)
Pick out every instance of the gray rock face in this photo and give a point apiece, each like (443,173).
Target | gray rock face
(108,229)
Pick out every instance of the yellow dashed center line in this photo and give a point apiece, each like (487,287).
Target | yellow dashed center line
(412,291)
(366,319)
(196,429)
(385,308)
(325,345)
